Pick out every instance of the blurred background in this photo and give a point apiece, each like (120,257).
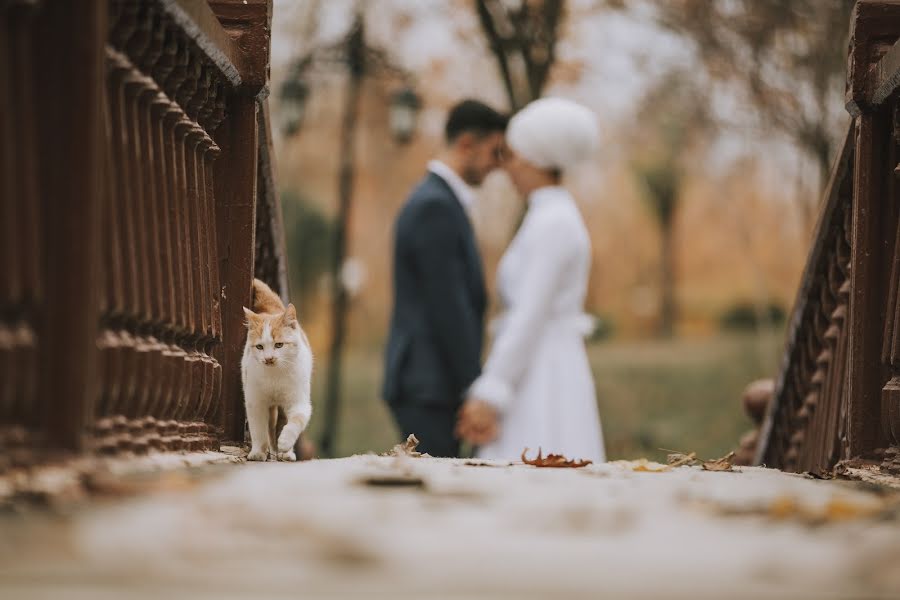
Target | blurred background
(719,119)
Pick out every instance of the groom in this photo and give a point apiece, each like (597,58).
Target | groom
(434,349)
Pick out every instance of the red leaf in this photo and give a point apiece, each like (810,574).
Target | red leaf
(556,461)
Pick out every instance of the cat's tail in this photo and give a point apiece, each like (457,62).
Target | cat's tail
(265,300)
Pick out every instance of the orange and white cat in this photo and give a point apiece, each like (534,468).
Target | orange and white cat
(277,372)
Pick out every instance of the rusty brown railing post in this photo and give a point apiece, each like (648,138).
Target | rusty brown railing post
(21,255)
(72,180)
(118,209)
(249,24)
(236,218)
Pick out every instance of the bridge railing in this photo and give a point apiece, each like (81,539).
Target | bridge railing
(838,393)
(130,168)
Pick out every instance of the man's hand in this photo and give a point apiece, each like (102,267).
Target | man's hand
(477,422)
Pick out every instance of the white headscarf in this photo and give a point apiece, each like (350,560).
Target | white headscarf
(553,133)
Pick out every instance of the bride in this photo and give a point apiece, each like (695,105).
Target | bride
(536,389)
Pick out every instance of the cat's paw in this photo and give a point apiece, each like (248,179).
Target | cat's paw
(258,455)
(288,456)
(286,441)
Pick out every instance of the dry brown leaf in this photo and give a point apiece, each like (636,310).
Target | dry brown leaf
(407,448)
(720,464)
(556,461)
(678,459)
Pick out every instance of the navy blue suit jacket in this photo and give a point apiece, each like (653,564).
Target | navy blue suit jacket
(434,348)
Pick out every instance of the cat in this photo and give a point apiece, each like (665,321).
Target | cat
(276,370)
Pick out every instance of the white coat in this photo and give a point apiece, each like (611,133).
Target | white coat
(537,374)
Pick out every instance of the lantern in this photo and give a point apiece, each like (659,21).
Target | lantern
(294,93)
(404,112)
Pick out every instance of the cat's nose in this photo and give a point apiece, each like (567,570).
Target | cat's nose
(270,360)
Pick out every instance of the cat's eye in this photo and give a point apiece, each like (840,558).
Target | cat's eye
(259,346)
(279,344)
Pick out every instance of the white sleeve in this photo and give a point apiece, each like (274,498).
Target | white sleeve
(548,252)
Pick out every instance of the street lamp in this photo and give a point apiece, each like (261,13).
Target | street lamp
(404,112)
(294,92)
(360,60)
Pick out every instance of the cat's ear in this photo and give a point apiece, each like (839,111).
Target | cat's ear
(290,315)
(249,317)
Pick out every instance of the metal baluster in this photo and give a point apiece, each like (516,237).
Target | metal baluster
(152,325)
(187,149)
(182,128)
(832,383)
(162,73)
(27,198)
(175,353)
(138,363)
(110,303)
(10,291)
(215,117)
(146,52)
(203,381)
(158,107)
(209,157)
(198,139)
(123,250)
(207,257)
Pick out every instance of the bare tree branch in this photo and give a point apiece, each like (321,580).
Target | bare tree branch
(497,48)
(786,55)
(526,36)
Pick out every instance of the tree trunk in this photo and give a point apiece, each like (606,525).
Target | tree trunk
(495,43)
(668,309)
(340,301)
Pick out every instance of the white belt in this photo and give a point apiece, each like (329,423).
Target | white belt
(581,324)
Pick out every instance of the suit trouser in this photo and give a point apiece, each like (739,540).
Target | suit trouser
(433,425)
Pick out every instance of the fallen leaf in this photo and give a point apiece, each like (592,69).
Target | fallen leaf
(678,459)
(557,461)
(233,451)
(642,465)
(407,448)
(726,463)
(850,468)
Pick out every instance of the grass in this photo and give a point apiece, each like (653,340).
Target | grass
(679,394)
(364,422)
(682,394)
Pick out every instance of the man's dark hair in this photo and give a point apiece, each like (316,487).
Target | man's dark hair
(473,116)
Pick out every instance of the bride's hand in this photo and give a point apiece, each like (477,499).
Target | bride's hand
(477,422)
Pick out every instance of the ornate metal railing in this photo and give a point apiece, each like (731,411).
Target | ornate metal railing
(838,393)
(808,431)
(130,167)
